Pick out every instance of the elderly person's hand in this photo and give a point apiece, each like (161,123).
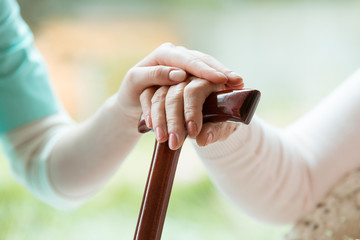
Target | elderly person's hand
(168,109)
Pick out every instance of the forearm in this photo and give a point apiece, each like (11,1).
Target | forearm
(89,153)
(278,175)
(63,163)
(28,149)
(260,171)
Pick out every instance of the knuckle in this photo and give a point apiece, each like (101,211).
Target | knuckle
(175,94)
(203,71)
(131,73)
(195,87)
(163,48)
(143,98)
(155,72)
(190,112)
(156,119)
(178,89)
(207,57)
(194,61)
(171,100)
(159,96)
(147,92)
(190,90)
(173,123)
(156,116)
(167,45)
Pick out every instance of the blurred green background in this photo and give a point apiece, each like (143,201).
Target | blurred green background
(295,52)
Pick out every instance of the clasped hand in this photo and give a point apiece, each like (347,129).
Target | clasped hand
(177,83)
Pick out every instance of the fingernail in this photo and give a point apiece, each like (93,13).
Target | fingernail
(221,75)
(191,128)
(209,139)
(148,121)
(160,134)
(177,75)
(173,141)
(235,75)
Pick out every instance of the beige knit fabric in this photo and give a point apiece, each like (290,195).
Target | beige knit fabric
(336,217)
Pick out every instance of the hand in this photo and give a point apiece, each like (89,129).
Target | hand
(167,109)
(168,65)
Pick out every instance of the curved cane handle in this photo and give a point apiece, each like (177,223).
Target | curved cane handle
(224,106)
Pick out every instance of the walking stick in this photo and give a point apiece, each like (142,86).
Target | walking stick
(228,105)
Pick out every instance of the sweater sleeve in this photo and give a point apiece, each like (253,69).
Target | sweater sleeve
(29,149)
(277,175)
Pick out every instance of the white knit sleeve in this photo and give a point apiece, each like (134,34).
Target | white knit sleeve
(28,149)
(277,175)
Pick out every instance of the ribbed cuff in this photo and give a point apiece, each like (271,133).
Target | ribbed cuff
(29,149)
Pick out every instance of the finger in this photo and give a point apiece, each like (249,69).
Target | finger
(144,77)
(234,80)
(158,114)
(213,132)
(145,101)
(170,55)
(195,94)
(175,115)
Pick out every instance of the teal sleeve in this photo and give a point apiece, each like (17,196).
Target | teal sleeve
(25,92)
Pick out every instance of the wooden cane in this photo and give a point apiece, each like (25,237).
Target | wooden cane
(234,106)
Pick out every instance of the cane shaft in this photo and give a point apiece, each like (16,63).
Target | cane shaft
(157,192)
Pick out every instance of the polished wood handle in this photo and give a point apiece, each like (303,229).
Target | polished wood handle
(224,106)
(235,106)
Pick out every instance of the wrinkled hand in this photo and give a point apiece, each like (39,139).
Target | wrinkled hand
(168,65)
(167,109)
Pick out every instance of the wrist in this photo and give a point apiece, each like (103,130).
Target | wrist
(123,118)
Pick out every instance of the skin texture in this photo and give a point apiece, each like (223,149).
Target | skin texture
(168,109)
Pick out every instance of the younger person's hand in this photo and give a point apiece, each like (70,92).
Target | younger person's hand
(169,65)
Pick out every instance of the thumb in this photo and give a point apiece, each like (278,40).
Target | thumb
(214,132)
